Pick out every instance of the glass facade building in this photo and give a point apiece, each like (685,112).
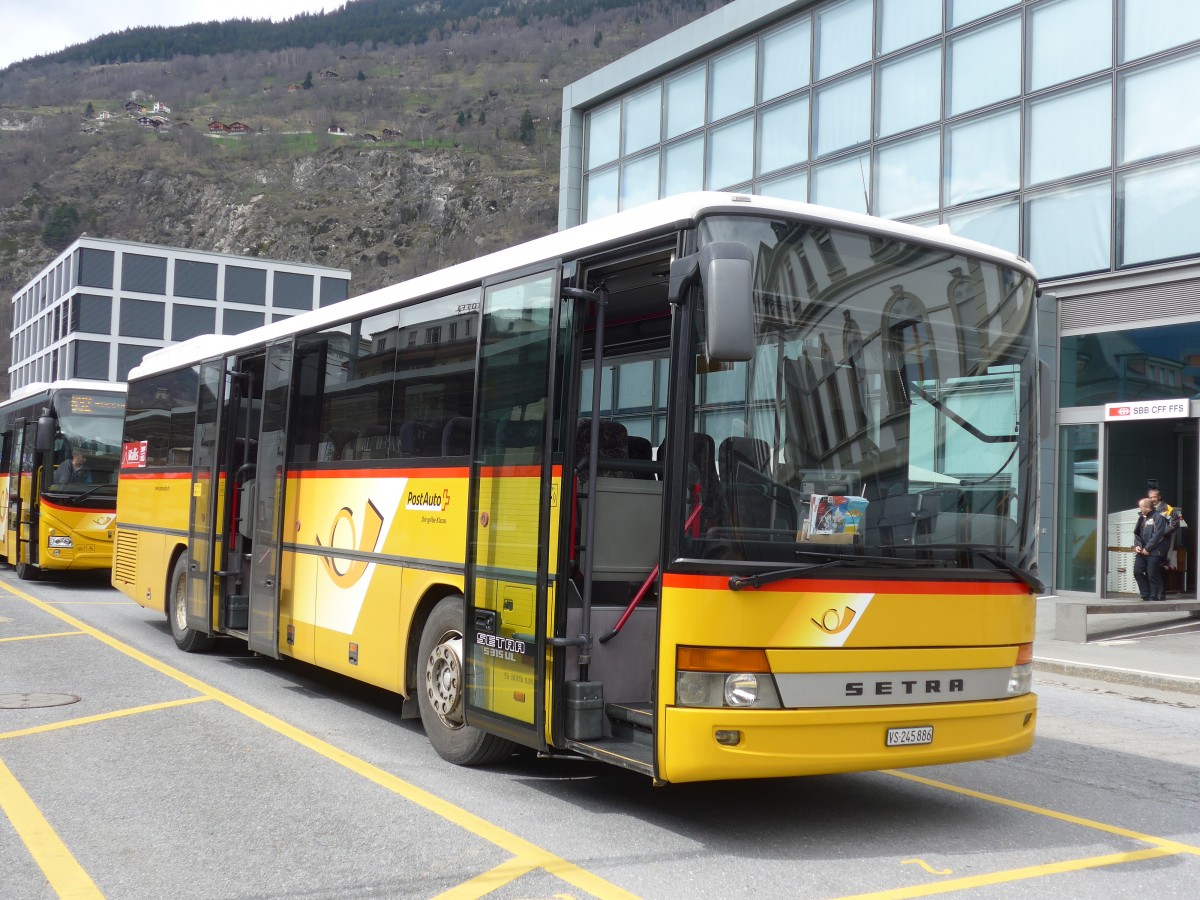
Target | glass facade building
(102,305)
(1061,130)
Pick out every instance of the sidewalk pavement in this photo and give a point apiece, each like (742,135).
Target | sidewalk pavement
(1150,650)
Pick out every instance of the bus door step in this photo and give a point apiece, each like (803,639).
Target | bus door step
(632,755)
(631,721)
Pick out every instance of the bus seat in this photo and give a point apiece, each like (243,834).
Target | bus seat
(456,437)
(704,473)
(641,448)
(419,439)
(614,444)
(736,452)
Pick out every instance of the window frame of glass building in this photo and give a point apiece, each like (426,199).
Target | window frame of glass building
(102,305)
(1049,128)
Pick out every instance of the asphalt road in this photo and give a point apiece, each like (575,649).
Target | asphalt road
(227,775)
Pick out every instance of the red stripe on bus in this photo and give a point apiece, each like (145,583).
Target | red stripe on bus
(850,586)
(66,508)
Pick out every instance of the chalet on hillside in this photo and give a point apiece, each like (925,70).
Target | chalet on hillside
(239,128)
(390,133)
(336,129)
(161,108)
(218,128)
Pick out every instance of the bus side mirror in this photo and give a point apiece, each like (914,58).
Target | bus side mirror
(725,270)
(47,428)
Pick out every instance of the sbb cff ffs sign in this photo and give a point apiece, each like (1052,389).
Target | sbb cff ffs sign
(1146,409)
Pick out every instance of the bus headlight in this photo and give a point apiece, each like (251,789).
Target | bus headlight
(724,677)
(741,689)
(1020,679)
(60,540)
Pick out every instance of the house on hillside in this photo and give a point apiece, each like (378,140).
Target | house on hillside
(134,108)
(161,108)
(368,137)
(293,87)
(336,129)
(154,122)
(328,73)
(239,128)
(218,128)
(390,133)
(104,114)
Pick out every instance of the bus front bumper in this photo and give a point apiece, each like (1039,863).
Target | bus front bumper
(788,742)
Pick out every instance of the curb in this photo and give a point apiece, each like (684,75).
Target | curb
(1182,684)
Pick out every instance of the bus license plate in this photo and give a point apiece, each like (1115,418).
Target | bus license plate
(904,737)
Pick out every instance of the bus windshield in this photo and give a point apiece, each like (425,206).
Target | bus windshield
(888,411)
(87,449)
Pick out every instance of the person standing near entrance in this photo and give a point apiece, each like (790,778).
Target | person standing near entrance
(1151,542)
(1141,530)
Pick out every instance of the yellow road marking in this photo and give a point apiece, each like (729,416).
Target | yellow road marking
(962,884)
(493,879)
(100,717)
(527,853)
(62,870)
(1172,846)
(920,862)
(35,637)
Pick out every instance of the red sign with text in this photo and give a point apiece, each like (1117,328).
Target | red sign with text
(133,455)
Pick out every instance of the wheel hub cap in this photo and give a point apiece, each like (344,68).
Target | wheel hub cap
(443,680)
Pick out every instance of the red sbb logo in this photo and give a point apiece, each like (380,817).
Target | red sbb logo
(133,454)
(1120,411)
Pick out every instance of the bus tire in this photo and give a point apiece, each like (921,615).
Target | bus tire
(440,691)
(187,639)
(28,571)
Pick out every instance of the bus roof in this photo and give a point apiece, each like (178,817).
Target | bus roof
(24,392)
(598,234)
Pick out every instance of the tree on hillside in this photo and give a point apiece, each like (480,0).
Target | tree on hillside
(90,112)
(307,82)
(525,133)
(60,229)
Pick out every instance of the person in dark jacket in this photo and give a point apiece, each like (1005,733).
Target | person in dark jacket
(1151,543)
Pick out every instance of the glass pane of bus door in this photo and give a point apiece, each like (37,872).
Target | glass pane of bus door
(268,499)
(507,546)
(12,523)
(205,486)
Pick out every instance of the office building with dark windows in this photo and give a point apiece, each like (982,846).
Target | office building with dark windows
(1062,130)
(102,305)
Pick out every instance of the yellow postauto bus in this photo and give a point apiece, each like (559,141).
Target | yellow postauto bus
(723,487)
(60,443)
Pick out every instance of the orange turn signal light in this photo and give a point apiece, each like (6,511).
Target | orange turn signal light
(720,659)
(1024,654)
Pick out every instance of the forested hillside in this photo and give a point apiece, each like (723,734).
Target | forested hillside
(384,156)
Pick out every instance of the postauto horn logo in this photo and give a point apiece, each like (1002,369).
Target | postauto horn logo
(346,572)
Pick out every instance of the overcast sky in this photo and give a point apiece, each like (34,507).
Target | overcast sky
(34,27)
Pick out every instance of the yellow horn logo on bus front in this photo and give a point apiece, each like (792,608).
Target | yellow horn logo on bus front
(364,543)
(834,622)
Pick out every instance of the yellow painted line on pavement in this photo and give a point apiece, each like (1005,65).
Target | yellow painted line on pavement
(62,870)
(526,852)
(1170,846)
(993,878)
(101,717)
(493,879)
(38,637)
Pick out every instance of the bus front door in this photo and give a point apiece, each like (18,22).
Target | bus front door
(202,517)
(266,501)
(509,511)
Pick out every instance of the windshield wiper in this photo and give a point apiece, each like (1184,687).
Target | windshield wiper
(93,490)
(1030,580)
(737,582)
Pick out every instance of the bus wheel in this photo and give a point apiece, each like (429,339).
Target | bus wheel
(188,639)
(440,692)
(28,571)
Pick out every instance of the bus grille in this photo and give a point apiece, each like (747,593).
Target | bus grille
(125,557)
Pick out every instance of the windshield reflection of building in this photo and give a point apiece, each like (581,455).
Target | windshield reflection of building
(902,315)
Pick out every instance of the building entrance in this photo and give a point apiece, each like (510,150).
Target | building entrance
(1140,455)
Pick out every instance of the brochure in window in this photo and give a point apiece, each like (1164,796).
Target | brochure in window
(836,514)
